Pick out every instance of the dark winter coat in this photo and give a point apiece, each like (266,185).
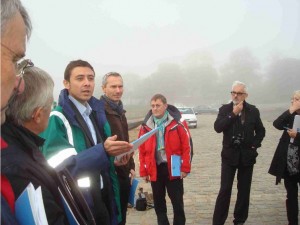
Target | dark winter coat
(119,126)
(22,163)
(252,132)
(279,161)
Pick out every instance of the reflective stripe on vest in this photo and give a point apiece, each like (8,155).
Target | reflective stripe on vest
(59,157)
(65,153)
(66,123)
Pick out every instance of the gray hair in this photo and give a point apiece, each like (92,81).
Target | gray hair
(38,92)
(9,8)
(296,93)
(239,83)
(106,76)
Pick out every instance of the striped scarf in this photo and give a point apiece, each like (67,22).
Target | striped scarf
(160,123)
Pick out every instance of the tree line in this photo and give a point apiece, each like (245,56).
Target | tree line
(199,81)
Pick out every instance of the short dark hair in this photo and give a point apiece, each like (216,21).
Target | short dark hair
(159,96)
(74,64)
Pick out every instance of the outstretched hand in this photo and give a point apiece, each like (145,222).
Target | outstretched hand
(114,147)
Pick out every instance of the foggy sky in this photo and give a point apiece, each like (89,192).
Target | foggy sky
(136,35)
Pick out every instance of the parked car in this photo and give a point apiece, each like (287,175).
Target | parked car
(201,109)
(189,116)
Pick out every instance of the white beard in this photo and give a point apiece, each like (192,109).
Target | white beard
(235,102)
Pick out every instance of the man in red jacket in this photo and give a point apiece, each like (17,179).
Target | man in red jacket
(155,155)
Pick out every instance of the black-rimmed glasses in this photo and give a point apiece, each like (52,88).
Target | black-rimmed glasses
(237,93)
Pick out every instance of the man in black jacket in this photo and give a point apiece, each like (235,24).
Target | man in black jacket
(243,133)
(112,86)
(15,30)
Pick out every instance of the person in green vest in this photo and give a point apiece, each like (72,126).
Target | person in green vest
(78,138)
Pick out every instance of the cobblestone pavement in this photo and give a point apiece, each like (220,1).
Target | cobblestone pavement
(267,204)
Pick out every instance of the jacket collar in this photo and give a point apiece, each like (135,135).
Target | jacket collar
(246,105)
(64,102)
(23,138)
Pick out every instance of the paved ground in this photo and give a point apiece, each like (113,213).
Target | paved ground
(267,205)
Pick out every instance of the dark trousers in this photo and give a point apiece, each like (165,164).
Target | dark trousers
(124,196)
(244,178)
(291,185)
(175,193)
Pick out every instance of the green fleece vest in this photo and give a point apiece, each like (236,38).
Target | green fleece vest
(80,145)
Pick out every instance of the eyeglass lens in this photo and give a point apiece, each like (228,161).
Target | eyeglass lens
(237,93)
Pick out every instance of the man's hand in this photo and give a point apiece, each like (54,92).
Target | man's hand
(292,133)
(114,148)
(123,161)
(146,179)
(295,105)
(238,108)
(183,175)
(131,175)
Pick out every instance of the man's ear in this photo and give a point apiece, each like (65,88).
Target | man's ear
(103,88)
(166,106)
(66,84)
(36,117)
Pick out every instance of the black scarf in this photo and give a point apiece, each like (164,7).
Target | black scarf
(118,107)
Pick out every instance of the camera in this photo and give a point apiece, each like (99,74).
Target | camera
(237,141)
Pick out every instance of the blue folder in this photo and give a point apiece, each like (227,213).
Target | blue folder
(133,188)
(175,165)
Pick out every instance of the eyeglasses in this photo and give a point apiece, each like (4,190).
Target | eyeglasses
(237,93)
(21,67)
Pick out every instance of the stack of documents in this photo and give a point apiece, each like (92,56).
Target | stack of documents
(30,207)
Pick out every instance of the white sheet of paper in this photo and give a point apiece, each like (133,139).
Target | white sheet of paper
(138,142)
(296,126)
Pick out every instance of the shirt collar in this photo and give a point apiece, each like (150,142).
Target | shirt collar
(84,110)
